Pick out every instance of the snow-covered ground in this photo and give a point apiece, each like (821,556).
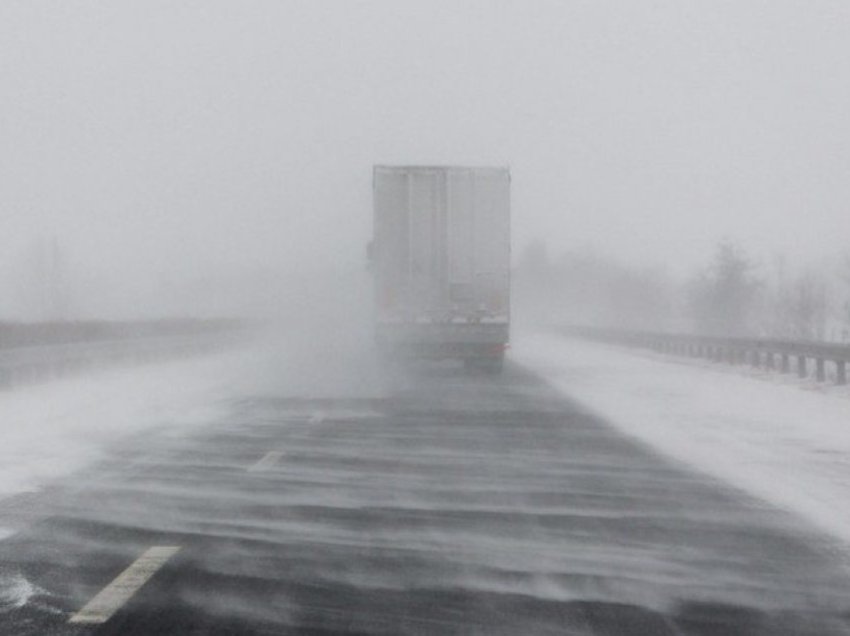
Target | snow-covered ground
(783,440)
(52,429)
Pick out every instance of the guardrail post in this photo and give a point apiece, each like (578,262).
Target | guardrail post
(801,366)
(761,353)
(821,370)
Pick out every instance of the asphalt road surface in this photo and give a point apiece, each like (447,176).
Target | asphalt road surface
(454,504)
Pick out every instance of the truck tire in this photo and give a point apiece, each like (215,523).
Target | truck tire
(491,365)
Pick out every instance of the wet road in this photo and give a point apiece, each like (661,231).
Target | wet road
(454,504)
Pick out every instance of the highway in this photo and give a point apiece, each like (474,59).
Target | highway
(448,504)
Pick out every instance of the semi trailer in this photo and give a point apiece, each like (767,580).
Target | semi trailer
(441,262)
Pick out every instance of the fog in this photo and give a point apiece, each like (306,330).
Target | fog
(199,158)
(194,304)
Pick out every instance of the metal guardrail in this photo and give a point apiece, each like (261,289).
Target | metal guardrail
(765,353)
(36,363)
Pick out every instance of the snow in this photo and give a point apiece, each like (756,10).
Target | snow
(16,591)
(53,429)
(784,441)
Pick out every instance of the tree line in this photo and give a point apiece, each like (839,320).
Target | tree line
(730,295)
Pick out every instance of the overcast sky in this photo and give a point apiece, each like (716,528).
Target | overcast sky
(161,142)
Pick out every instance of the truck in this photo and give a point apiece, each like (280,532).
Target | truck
(440,256)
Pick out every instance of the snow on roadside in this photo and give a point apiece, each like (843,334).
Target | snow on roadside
(782,444)
(52,429)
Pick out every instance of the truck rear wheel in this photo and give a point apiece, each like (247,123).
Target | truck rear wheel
(491,365)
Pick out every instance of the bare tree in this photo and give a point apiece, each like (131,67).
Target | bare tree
(845,305)
(722,298)
(809,307)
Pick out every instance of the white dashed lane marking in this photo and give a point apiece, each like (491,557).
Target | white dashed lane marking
(113,596)
(267,462)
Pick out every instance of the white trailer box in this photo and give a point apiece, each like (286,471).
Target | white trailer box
(441,259)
